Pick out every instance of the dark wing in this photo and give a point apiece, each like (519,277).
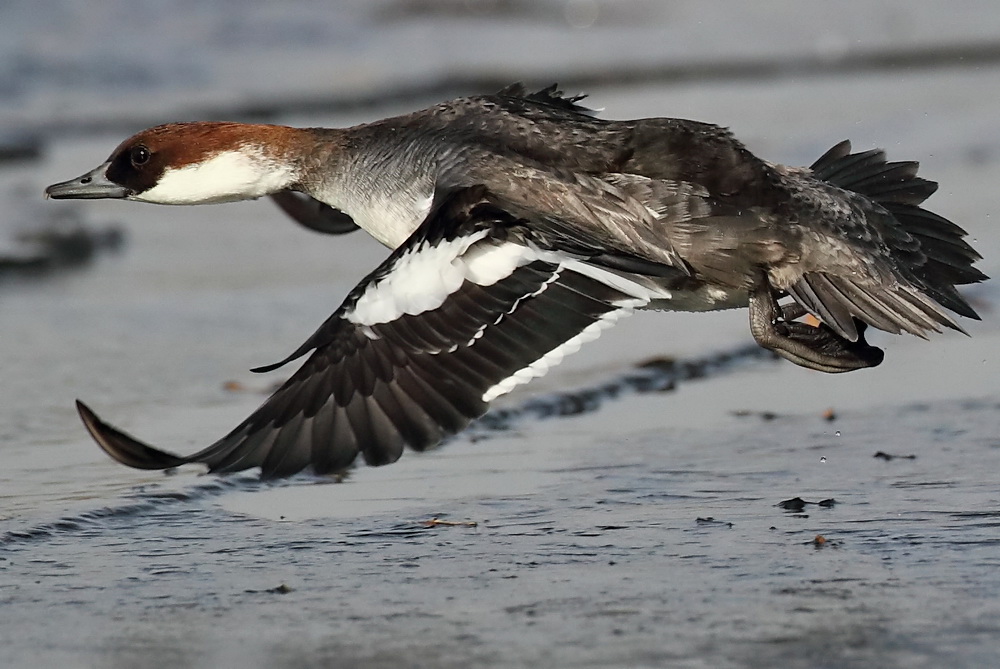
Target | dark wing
(461,313)
(313,214)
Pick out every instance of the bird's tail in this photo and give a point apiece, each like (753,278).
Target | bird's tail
(944,259)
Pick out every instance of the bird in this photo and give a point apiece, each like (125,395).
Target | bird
(521,225)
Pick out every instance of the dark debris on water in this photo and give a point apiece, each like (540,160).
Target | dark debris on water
(798,504)
(888,457)
(36,245)
(280,589)
(652,376)
(709,520)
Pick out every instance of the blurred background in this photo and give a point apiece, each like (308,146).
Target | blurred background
(147,311)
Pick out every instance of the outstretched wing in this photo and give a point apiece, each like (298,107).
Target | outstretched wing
(313,214)
(464,311)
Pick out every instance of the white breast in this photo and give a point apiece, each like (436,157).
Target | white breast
(391,221)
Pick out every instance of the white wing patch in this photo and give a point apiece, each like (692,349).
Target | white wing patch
(421,280)
(542,365)
(424,278)
(488,263)
(641,295)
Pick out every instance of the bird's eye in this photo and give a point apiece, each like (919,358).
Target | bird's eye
(139,155)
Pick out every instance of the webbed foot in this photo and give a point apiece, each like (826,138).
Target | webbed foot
(818,348)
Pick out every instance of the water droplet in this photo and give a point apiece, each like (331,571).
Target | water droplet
(837,433)
(823,459)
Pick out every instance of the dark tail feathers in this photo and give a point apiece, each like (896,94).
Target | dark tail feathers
(947,258)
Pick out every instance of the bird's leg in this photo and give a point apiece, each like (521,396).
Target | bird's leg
(790,311)
(818,348)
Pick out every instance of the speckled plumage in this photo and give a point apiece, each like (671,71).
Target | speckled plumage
(668,192)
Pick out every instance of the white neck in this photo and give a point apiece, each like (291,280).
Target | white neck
(225,177)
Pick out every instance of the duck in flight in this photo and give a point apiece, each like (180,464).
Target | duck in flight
(521,226)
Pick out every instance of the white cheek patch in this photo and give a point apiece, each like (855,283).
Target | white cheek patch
(226,177)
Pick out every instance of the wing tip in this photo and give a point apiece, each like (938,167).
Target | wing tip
(123,447)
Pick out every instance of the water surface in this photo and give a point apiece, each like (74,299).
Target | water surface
(644,533)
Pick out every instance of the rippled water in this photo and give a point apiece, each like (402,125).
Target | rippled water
(650,551)
(637,529)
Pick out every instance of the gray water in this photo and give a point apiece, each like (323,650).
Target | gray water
(645,531)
